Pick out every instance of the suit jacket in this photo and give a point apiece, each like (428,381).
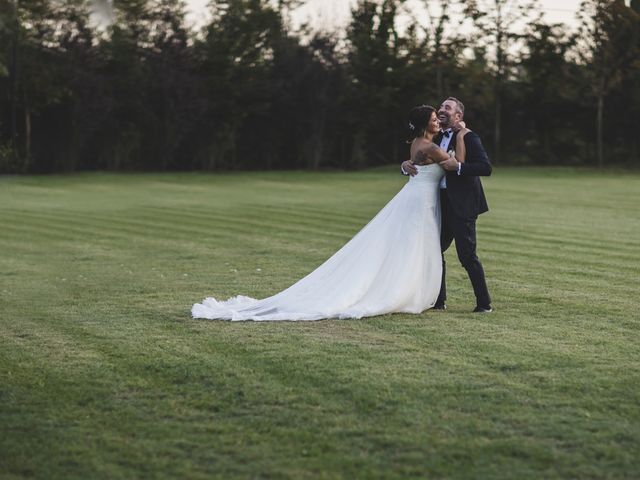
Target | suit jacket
(464,191)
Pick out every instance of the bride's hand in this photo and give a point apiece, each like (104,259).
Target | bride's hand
(450,164)
(459,126)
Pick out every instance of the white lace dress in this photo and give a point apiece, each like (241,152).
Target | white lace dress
(392,265)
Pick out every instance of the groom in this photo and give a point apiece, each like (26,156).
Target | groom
(461,200)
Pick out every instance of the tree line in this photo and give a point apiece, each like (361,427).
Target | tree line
(246,91)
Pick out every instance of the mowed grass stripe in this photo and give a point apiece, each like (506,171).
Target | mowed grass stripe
(265,219)
(293,211)
(105,229)
(210,225)
(66,232)
(537,255)
(193,226)
(516,254)
(577,283)
(580,277)
(525,246)
(548,261)
(258,223)
(555,236)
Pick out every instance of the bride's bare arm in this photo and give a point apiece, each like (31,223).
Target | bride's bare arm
(437,154)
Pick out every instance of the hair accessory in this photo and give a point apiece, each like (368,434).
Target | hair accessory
(412,126)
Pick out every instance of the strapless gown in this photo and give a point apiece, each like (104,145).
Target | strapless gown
(392,265)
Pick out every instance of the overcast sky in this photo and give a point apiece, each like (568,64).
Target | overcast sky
(334,14)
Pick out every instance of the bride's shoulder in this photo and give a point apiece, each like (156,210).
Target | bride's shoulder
(424,144)
(421,144)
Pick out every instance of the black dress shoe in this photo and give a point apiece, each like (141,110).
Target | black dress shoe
(483,309)
(439,306)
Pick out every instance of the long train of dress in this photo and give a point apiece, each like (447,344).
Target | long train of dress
(392,265)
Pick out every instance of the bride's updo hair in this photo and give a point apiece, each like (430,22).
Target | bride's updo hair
(418,120)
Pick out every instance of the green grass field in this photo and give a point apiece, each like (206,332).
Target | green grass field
(103,374)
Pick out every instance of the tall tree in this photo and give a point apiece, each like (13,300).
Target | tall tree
(10,29)
(43,34)
(608,44)
(236,57)
(497,21)
(74,47)
(305,121)
(630,88)
(377,62)
(440,44)
(546,76)
(172,91)
(154,97)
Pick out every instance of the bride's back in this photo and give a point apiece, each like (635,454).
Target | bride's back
(420,151)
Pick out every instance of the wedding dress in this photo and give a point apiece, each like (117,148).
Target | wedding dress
(393,264)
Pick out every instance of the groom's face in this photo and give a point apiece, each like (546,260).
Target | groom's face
(448,114)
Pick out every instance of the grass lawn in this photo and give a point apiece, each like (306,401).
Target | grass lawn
(103,374)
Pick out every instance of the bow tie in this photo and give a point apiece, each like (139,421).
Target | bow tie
(446,133)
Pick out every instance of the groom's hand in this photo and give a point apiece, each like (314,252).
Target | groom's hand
(408,167)
(450,164)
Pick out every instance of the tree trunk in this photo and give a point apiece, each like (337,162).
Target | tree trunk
(234,150)
(599,128)
(546,144)
(497,129)
(395,155)
(501,67)
(13,81)
(211,157)
(439,80)
(316,143)
(27,136)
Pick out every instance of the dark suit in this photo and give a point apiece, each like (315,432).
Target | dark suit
(461,203)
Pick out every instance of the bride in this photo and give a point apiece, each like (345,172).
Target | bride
(393,264)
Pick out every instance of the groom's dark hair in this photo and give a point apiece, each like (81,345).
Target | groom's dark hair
(459,104)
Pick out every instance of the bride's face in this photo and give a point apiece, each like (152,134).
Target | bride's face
(434,124)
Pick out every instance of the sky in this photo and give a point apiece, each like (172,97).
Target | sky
(334,14)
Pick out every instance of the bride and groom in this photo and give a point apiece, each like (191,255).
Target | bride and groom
(396,262)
